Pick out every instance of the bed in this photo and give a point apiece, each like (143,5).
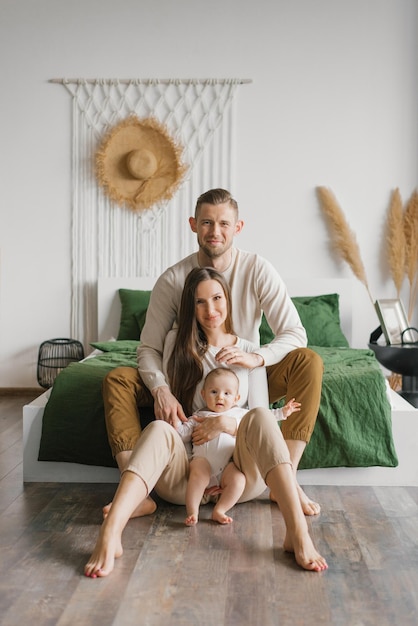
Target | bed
(64,430)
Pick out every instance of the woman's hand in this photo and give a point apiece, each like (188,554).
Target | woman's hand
(211,427)
(167,407)
(231,355)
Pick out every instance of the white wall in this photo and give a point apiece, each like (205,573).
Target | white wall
(333,102)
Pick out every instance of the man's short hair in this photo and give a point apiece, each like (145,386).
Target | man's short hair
(215,197)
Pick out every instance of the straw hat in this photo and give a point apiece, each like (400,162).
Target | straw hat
(139,163)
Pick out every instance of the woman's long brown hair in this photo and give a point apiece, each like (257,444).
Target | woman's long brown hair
(185,368)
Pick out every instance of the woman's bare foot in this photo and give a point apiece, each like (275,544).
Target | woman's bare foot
(305,552)
(309,507)
(147,507)
(107,549)
(221,518)
(191,520)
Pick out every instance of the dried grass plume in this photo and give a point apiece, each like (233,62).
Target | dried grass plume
(411,258)
(395,240)
(344,239)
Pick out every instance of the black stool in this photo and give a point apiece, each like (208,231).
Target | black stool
(53,356)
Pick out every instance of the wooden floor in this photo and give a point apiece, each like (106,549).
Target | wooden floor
(207,575)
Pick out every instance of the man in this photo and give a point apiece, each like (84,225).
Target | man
(292,369)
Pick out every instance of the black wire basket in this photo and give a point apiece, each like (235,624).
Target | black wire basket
(54,355)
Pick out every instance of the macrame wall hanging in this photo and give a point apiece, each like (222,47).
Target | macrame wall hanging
(109,240)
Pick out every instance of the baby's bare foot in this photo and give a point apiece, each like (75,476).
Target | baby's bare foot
(221,518)
(305,552)
(102,561)
(147,507)
(191,520)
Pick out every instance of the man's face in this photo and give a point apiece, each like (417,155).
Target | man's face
(216,227)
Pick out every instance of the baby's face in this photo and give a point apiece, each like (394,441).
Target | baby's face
(220,393)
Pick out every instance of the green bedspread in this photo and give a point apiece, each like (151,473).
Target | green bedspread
(353,427)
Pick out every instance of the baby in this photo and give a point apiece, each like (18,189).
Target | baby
(211,467)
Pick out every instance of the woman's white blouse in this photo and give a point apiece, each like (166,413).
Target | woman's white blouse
(252,383)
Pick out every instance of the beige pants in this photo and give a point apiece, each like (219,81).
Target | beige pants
(298,375)
(160,457)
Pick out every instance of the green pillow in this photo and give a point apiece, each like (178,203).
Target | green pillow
(320,316)
(140,319)
(266,334)
(124,345)
(134,304)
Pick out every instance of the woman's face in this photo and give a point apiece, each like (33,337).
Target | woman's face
(211,304)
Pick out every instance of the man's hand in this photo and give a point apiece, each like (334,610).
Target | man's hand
(167,407)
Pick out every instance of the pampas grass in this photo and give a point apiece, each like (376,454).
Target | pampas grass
(395,381)
(411,257)
(344,239)
(401,241)
(395,240)
(401,247)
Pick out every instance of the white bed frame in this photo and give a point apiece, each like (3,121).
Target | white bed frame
(404,415)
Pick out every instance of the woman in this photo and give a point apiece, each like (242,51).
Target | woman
(204,340)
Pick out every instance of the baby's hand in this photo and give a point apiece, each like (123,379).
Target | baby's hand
(290,407)
(176,423)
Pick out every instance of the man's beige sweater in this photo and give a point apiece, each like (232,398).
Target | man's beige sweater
(255,287)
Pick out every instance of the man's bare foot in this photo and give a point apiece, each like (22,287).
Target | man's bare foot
(107,549)
(191,520)
(309,507)
(221,518)
(147,507)
(305,552)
